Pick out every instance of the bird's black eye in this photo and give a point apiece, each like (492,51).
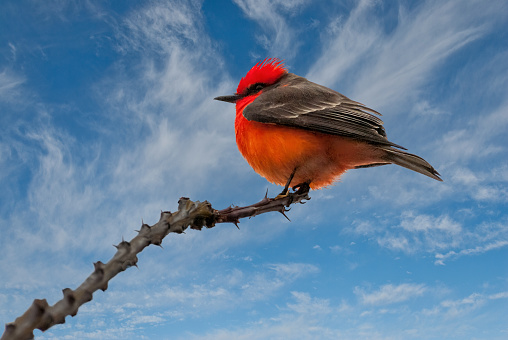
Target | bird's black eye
(254,88)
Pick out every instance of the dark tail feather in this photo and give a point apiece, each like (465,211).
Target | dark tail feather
(412,162)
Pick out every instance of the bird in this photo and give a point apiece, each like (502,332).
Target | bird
(302,135)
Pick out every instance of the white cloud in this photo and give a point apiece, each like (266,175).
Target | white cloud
(426,109)
(207,294)
(465,176)
(307,305)
(293,271)
(169,91)
(440,258)
(146,319)
(441,235)
(500,295)
(414,233)
(426,223)
(302,318)
(389,294)
(348,43)
(385,69)
(458,308)
(159,27)
(477,140)
(279,38)
(307,317)
(83,197)
(9,85)
(398,243)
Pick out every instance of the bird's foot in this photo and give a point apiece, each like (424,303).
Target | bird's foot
(283,194)
(299,189)
(302,188)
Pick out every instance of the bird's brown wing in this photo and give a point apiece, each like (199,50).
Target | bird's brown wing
(299,103)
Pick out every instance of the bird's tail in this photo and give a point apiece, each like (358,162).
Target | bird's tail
(411,162)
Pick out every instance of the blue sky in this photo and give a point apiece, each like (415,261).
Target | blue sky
(107,118)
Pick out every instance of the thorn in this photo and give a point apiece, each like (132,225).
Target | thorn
(104,287)
(266,194)
(143,228)
(283,213)
(40,305)
(236,224)
(69,295)
(10,328)
(87,296)
(98,268)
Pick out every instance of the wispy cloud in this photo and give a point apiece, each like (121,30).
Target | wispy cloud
(305,316)
(82,197)
(159,27)
(379,67)
(440,258)
(293,270)
(347,43)
(169,92)
(422,233)
(223,292)
(279,38)
(307,305)
(414,233)
(9,85)
(460,307)
(389,294)
(477,140)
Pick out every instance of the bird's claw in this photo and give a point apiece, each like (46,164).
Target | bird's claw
(299,189)
(283,194)
(302,188)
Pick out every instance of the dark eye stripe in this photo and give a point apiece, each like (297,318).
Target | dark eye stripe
(254,88)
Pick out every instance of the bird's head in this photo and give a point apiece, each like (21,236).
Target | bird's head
(261,75)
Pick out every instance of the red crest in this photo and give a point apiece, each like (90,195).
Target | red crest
(267,72)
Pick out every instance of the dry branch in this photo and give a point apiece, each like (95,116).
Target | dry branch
(195,215)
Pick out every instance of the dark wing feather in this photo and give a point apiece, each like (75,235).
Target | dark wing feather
(296,102)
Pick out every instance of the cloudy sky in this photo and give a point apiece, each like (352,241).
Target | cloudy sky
(107,117)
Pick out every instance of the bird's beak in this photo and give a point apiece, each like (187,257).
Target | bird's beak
(229,99)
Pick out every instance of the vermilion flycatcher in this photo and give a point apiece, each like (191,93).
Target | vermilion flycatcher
(293,131)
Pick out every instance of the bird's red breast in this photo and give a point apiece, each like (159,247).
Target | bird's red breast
(274,151)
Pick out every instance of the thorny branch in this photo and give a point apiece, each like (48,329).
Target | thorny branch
(195,215)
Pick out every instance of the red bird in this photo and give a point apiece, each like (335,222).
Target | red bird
(295,132)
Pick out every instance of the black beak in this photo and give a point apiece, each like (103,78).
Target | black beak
(229,99)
